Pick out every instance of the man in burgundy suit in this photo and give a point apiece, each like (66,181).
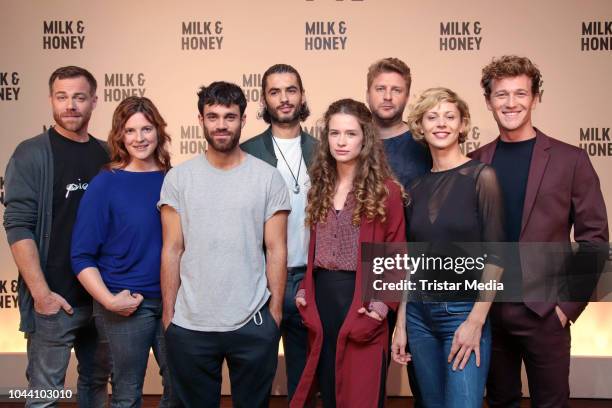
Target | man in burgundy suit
(548,188)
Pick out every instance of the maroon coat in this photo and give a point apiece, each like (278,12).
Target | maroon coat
(562,191)
(362,341)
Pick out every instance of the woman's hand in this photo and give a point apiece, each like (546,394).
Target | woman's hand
(124,303)
(398,346)
(466,340)
(300,302)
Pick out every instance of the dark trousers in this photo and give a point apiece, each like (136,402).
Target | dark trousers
(519,334)
(295,335)
(195,359)
(333,295)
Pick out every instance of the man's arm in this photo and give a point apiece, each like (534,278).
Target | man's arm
(27,260)
(22,192)
(275,237)
(589,215)
(172,251)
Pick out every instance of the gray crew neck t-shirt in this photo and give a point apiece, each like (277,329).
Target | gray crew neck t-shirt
(222,212)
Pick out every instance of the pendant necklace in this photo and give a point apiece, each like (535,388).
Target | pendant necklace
(296,186)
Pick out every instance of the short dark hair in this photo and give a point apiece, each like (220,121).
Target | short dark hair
(72,71)
(221,93)
(282,69)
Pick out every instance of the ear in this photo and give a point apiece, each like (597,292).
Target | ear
(94,101)
(536,100)
(201,119)
(463,126)
(243,120)
(488,102)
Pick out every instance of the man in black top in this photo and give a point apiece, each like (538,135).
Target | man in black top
(45,179)
(387,94)
(388,89)
(287,147)
(548,187)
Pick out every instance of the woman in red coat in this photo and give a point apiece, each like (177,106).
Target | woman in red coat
(353,199)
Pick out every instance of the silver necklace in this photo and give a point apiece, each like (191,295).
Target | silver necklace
(296,186)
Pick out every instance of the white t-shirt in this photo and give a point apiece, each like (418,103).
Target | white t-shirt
(297,233)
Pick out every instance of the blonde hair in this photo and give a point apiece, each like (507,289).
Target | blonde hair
(429,99)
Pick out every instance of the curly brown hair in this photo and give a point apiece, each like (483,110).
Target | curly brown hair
(372,171)
(509,66)
(119,156)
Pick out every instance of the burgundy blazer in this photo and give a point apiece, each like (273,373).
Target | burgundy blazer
(562,191)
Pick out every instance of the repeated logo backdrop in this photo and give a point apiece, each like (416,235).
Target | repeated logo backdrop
(165,51)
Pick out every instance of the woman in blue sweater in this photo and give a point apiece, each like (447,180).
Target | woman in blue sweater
(116,247)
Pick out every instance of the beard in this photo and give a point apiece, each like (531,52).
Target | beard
(395,116)
(295,117)
(73,124)
(223,146)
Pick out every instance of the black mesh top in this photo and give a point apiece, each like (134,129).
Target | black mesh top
(463,204)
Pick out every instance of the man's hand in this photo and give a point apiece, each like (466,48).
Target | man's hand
(277,313)
(124,303)
(562,317)
(167,319)
(50,304)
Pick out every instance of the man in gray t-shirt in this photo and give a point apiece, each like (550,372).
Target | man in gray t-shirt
(222,296)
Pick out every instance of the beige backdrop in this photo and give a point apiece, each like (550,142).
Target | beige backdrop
(139,47)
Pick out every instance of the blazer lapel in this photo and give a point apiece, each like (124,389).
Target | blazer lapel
(488,152)
(268,153)
(539,160)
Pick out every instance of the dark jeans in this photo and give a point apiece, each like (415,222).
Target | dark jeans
(130,340)
(49,349)
(431,328)
(195,359)
(520,335)
(295,335)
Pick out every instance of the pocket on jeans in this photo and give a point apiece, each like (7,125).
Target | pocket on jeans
(53,316)
(458,308)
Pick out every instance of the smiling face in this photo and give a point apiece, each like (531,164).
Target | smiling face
(72,104)
(511,102)
(441,126)
(140,139)
(387,97)
(345,138)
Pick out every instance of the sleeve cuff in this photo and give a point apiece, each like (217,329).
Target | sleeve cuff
(301,293)
(378,307)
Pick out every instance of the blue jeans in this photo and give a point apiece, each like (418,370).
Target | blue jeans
(49,347)
(131,338)
(431,327)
